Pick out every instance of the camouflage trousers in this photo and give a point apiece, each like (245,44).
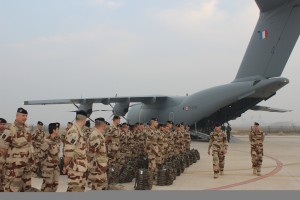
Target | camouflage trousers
(152,165)
(98,180)
(17,179)
(113,158)
(257,157)
(159,161)
(1,176)
(76,181)
(36,166)
(50,178)
(218,161)
(122,159)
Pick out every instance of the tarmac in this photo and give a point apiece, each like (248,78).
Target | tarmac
(280,168)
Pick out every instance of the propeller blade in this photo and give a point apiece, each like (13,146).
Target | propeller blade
(91,120)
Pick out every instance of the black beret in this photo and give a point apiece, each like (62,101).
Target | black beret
(178,125)
(100,119)
(170,122)
(81,112)
(40,123)
(3,120)
(154,119)
(22,110)
(217,124)
(116,117)
(70,123)
(255,123)
(107,123)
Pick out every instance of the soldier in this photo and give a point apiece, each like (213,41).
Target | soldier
(15,146)
(228,130)
(152,148)
(97,157)
(37,140)
(113,135)
(256,138)
(2,159)
(218,142)
(75,160)
(50,159)
(63,139)
(187,138)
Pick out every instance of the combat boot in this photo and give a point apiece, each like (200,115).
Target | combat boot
(258,173)
(221,173)
(216,176)
(254,171)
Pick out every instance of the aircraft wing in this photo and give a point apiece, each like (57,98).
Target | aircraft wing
(105,101)
(269,109)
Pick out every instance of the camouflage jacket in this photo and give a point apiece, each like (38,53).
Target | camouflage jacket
(151,142)
(256,138)
(49,154)
(2,159)
(114,134)
(97,155)
(38,138)
(17,140)
(86,132)
(75,147)
(218,141)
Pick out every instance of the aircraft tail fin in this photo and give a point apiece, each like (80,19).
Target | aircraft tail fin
(273,40)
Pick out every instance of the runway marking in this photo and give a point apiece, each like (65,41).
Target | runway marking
(279,166)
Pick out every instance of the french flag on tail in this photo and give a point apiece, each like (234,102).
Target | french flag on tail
(264,34)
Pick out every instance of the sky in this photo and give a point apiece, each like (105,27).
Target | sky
(60,49)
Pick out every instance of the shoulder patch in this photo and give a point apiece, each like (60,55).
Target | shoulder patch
(5,134)
(72,137)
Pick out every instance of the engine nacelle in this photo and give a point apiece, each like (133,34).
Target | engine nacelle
(121,109)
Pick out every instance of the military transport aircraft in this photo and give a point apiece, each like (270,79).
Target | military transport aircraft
(257,79)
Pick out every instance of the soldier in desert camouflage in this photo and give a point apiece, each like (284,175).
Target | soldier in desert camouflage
(15,146)
(97,157)
(37,140)
(152,148)
(49,159)
(113,134)
(256,138)
(2,159)
(75,159)
(218,143)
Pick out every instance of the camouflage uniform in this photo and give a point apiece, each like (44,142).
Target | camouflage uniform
(256,141)
(152,150)
(123,147)
(49,160)
(187,140)
(75,148)
(114,146)
(16,139)
(37,140)
(97,157)
(160,156)
(2,162)
(218,141)
(86,132)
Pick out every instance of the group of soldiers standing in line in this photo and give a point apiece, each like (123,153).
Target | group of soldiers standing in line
(87,152)
(219,144)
